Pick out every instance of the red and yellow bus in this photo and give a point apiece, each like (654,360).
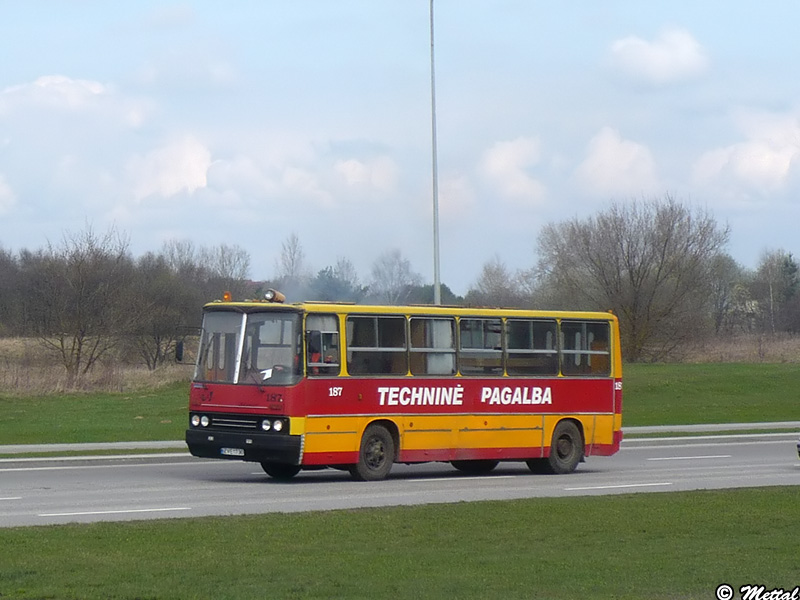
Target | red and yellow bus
(356,387)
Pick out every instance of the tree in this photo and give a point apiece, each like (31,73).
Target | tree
(77,297)
(649,261)
(337,283)
(497,286)
(10,300)
(166,310)
(774,286)
(725,293)
(392,278)
(293,275)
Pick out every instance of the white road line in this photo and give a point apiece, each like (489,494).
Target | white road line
(114,512)
(12,498)
(615,487)
(457,478)
(691,457)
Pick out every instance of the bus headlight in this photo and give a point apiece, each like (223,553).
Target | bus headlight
(205,421)
(195,420)
(266,424)
(278,425)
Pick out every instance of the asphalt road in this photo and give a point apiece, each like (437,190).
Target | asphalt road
(43,492)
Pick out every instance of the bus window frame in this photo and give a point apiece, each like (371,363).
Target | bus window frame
(377,354)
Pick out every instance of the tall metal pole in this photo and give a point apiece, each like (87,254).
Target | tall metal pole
(437,285)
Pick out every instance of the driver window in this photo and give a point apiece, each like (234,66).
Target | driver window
(322,345)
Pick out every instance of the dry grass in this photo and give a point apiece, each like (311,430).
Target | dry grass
(749,348)
(28,368)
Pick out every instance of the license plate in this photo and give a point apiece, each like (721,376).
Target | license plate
(232,451)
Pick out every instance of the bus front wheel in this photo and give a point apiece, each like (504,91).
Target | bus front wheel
(376,455)
(280,471)
(566,451)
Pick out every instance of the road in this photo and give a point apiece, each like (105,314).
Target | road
(44,492)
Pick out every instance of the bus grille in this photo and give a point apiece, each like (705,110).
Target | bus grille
(234,422)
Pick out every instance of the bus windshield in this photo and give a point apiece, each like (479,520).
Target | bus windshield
(258,348)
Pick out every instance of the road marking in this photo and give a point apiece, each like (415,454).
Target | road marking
(12,498)
(460,478)
(114,512)
(615,487)
(691,457)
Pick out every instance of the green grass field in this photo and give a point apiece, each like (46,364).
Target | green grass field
(659,546)
(679,394)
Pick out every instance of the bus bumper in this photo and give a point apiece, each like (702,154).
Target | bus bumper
(245,446)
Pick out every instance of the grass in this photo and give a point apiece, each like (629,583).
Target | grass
(158,414)
(660,546)
(679,394)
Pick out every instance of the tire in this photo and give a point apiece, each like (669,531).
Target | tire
(566,451)
(376,455)
(280,471)
(475,467)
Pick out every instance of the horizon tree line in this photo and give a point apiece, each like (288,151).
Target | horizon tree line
(658,264)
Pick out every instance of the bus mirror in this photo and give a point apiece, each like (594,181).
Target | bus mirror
(179,352)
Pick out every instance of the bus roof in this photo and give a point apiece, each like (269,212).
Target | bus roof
(412,309)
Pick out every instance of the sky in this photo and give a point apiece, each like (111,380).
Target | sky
(246,122)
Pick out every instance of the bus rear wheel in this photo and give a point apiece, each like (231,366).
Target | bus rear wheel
(280,471)
(475,467)
(376,455)
(566,451)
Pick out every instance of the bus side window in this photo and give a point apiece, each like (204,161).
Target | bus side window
(531,347)
(585,348)
(376,345)
(322,345)
(480,347)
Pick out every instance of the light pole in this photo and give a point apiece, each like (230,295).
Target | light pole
(437,285)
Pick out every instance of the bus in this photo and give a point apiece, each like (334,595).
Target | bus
(315,385)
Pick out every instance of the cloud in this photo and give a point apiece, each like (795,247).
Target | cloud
(53,91)
(179,166)
(380,172)
(57,94)
(7,197)
(505,165)
(614,166)
(672,57)
(766,161)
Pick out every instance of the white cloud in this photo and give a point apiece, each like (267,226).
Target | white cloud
(765,161)
(505,165)
(57,93)
(671,57)
(456,197)
(7,197)
(179,166)
(54,91)
(380,172)
(614,166)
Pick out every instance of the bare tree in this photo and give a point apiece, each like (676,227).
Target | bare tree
(725,281)
(774,286)
(10,298)
(392,278)
(77,297)
(293,273)
(497,286)
(648,261)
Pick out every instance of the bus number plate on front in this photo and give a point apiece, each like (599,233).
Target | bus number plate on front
(232,451)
